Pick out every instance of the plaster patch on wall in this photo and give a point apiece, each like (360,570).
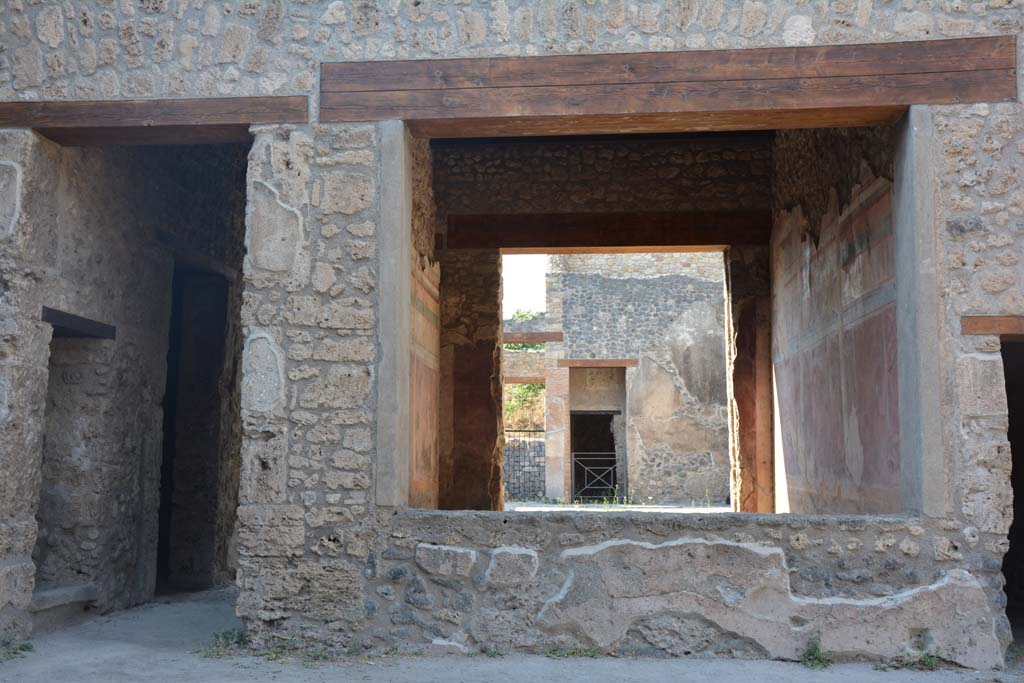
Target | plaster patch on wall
(275,230)
(10,197)
(262,373)
(5,408)
(743,589)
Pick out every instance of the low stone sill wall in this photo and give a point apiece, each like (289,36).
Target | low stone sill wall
(724,584)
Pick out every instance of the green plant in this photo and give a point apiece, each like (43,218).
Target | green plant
(928,661)
(520,346)
(573,651)
(520,314)
(523,405)
(230,643)
(814,658)
(11,650)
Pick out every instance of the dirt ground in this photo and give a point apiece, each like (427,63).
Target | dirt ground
(166,640)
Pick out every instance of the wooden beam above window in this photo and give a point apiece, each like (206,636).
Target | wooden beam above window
(636,230)
(523,379)
(813,86)
(530,337)
(153,122)
(598,362)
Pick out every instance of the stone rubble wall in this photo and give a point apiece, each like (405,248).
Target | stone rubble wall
(310,536)
(668,312)
(700,585)
(523,473)
(523,363)
(471,415)
(85,236)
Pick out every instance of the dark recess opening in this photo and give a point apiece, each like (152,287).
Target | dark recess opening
(190,470)
(594,474)
(1013,562)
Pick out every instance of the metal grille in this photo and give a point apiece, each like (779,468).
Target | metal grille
(594,475)
(524,464)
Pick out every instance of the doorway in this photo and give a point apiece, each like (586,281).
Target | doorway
(1013,561)
(594,462)
(196,507)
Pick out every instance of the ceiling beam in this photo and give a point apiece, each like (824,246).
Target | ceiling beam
(636,231)
(813,86)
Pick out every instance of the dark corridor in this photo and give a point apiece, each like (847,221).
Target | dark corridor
(594,471)
(1013,562)
(190,473)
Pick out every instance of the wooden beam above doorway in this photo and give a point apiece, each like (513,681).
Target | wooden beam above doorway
(153,122)
(1001,325)
(636,230)
(702,90)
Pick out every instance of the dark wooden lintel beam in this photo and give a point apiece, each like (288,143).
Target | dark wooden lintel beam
(166,121)
(70,325)
(638,229)
(809,86)
(531,337)
(1001,325)
(523,379)
(819,61)
(598,362)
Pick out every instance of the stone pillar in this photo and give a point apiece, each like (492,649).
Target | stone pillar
(28,178)
(309,407)
(748,301)
(557,479)
(471,430)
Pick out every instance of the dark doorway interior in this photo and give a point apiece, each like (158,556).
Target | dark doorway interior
(1013,562)
(191,552)
(594,471)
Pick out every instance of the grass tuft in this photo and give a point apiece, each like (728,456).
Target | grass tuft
(12,650)
(814,658)
(230,643)
(574,651)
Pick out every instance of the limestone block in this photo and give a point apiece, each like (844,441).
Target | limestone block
(743,591)
(17,538)
(10,197)
(347,193)
(262,374)
(346,386)
(271,530)
(445,560)
(16,581)
(511,566)
(264,473)
(274,230)
(981,386)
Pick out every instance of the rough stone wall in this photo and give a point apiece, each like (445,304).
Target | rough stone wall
(668,312)
(99,49)
(834,322)
(524,467)
(724,585)
(308,383)
(523,363)
(189,49)
(717,172)
(471,429)
(85,237)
